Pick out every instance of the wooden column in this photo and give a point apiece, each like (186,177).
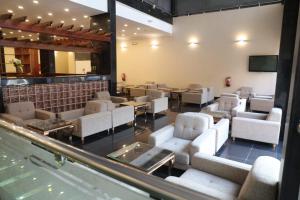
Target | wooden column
(105,61)
(47,57)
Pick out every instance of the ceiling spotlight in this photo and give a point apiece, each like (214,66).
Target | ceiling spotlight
(85,16)
(95,24)
(135,33)
(11,32)
(27,20)
(138,28)
(66,10)
(0,28)
(35,2)
(81,25)
(21,7)
(74,19)
(123,30)
(125,25)
(30,35)
(39,17)
(3,34)
(19,31)
(62,21)
(22,36)
(10,11)
(50,14)
(100,29)
(31,40)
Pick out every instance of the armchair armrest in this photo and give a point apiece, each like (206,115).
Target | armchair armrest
(204,143)
(159,104)
(252,115)
(225,168)
(141,99)
(213,107)
(222,132)
(118,99)
(72,114)
(11,118)
(239,108)
(43,114)
(94,123)
(161,136)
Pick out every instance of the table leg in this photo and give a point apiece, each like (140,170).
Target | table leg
(170,167)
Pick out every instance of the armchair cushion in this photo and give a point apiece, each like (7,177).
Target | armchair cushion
(24,110)
(71,114)
(262,181)
(227,103)
(188,127)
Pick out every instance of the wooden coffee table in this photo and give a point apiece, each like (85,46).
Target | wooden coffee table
(144,157)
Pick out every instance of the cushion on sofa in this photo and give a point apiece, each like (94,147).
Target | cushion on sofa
(262,181)
(181,149)
(24,110)
(188,127)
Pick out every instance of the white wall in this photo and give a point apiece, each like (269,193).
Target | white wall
(218,55)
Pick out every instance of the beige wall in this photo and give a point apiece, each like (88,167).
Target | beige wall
(9,55)
(217,56)
(65,62)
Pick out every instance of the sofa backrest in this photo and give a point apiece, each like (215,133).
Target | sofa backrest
(103,95)
(24,110)
(155,94)
(92,107)
(227,103)
(195,86)
(275,115)
(190,125)
(245,91)
(162,85)
(262,180)
(229,94)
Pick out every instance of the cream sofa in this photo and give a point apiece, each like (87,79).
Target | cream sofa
(156,101)
(258,127)
(23,113)
(228,105)
(104,95)
(261,103)
(224,179)
(190,134)
(91,119)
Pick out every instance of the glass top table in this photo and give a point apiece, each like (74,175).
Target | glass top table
(144,157)
(50,125)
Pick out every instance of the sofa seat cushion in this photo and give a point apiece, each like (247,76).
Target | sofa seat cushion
(181,149)
(212,181)
(32,121)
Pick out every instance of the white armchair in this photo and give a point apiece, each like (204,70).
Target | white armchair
(228,105)
(258,127)
(23,113)
(92,119)
(198,96)
(224,179)
(189,135)
(245,92)
(156,100)
(104,95)
(261,103)
(137,92)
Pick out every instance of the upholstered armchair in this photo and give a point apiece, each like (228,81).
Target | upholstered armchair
(163,87)
(261,103)
(225,179)
(137,92)
(190,134)
(104,95)
(257,126)
(198,96)
(91,119)
(210,94)
(156,101)
(245,92)
(227,105)
(23,113)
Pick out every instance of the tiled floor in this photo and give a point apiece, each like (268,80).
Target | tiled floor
(103,144)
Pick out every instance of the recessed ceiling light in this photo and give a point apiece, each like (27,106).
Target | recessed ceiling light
(95,24)
(100,29)
(11,32)
(38,38)
(135,33)
(50,14)
(138,28)
(62,21)
(27,20)
(39,17)
(3,33)
(81,25)
(30,35)
(31,40)
(123,30)
(0,28)
(85,16)
(66,10)
(74,19)
(125,25)
(123,35)
(19,31)
(10,11)
(21,7)
(22,36)
(35,1)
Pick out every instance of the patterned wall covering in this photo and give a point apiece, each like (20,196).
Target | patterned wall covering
(55,97)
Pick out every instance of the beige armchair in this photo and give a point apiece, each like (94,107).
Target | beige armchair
(262,103)
(137,92)
(104,95)
(224,179)
(92,119)
(23,113)
(198,96)
(245,92)
(156,100)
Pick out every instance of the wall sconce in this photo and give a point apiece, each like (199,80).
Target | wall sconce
(241,40)
(193,42)
(124,46)
(154,44)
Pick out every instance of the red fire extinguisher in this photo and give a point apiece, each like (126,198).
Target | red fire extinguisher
(228,81)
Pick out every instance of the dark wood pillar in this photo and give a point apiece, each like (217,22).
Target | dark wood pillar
(286,52)
(2,57)
(106,60)
(47,57)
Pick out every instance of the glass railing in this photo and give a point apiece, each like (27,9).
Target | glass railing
(35,167)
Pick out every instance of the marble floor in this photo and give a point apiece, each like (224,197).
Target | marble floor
(102,144)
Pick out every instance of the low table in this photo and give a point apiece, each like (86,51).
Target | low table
(45,127)
(178,93)
(139,108)
(217,116)
(144,157)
